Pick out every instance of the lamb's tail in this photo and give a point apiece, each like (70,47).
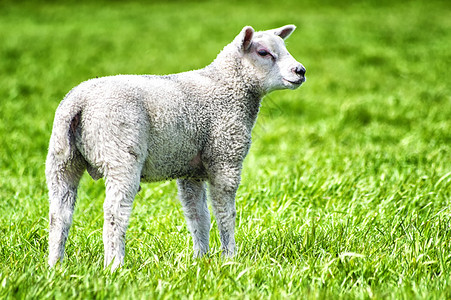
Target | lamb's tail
(67,117)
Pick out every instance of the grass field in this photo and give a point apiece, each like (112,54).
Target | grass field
(346,190)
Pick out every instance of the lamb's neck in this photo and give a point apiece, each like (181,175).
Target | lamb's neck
(228,71)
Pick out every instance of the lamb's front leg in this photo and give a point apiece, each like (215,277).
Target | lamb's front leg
(192,194)
(223,187)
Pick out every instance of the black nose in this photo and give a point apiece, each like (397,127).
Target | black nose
(299,70)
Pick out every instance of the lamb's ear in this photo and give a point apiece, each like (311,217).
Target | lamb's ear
(245,39)
(284,31)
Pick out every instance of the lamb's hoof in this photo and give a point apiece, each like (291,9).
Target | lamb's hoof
(113,265)
(199,253)
(54,261)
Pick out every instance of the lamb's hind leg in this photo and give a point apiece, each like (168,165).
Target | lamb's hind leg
(192,194)
(120,193)
(63,177)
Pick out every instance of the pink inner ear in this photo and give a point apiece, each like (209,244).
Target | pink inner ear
(285,31)
(247,41)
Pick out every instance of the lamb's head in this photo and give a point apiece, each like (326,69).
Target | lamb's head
(264,53)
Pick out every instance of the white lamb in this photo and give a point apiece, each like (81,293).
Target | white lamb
(194,127)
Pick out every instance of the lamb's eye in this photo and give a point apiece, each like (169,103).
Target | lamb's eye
(262,52)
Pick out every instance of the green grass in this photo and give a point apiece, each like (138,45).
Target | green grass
(346,190)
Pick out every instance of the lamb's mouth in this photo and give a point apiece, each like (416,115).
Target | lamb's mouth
(296,82)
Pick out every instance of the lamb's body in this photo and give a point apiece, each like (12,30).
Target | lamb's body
(193,126)
(168,123)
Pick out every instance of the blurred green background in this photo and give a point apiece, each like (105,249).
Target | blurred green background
(346,189)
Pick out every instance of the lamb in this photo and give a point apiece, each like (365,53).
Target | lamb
(194,127)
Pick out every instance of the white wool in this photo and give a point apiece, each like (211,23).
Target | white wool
(194,127)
